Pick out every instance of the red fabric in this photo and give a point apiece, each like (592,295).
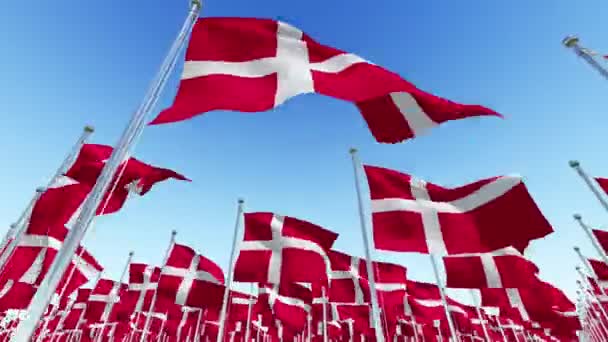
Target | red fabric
(603,183)
(600,269)
(105,292)
(207,287)
(479,217)
(296,263)
(601,237)
(143,280)
(468,271)
(372,88)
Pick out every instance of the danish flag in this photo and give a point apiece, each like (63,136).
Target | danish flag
(502,268)
(603,183)
(410,215)
(602,238)
(191,279)
(281,249)
(143,281)
(253,65)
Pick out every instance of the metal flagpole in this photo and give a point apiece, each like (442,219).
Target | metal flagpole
(114,292)
(437,324)
(589,269)
(133,131)
(581,284)
(235,250)
(591,183)
(18,228)
(257,333)
(592,238)
(572,42)
(595,315)
(197,331)
(444,298)
(367,246)
(324,306)
(249,309)
(309,328)
(481,320)
(153,302)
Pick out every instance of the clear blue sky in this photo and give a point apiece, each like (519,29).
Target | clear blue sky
(69,63)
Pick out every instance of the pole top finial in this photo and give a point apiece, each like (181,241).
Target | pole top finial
(131,253)
(173,232)
(578,268)
(40,189)
(352,150)
(574,163)
(89,129)
(577,217)
(240,201)
(13,225)
(578,282)
(570,41)
(576,249)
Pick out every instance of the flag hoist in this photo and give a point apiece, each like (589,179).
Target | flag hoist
(132,132)
(572,42)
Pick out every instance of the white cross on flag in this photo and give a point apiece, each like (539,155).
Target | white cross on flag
(253,65)
(349,279)
(410,215)
(502,268)
(191,279)
(104,302)
(143,281)
(281,250)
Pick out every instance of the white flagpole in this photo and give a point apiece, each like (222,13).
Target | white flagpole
(591,237)
(309,327)
(594,314)
(590,293)
(437,324)
(259,327)
(573,43)
(153,302)
(230,275)
(197,332)
(324,306)
(591,183)
(589,269)
(249,309)
(367,247)
(114,292)
(133,131)
(481,320)
(443,298)
(18,228)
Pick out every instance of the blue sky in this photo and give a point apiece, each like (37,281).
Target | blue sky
(70,63)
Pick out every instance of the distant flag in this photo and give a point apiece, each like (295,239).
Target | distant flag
(254,65)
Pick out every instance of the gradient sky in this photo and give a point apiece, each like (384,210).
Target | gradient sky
(69,63)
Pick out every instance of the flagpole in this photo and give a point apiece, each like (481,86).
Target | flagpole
(18,228)
(589,269)
(324,306)
(235,250)
(593,295)
(114,291)
(367,247)
(481,320)
(592,309)
(591,183)
(572,42)
(153,302)
(197,331)
(132,132)
(249,310)
(443,297)
(591,238)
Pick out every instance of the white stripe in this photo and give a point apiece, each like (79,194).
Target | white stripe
(242,301)
(184,287)
(436,303)
(273,296)
(516,302)
(33,272)
(276,246)
(88,270)
(389,287)
(291,64)
(181,272)
(62,181)
(474,200)
(79,306)
(430,218)
(109,298)
(353,275)
(41,241)
(490,270)
(416,118)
